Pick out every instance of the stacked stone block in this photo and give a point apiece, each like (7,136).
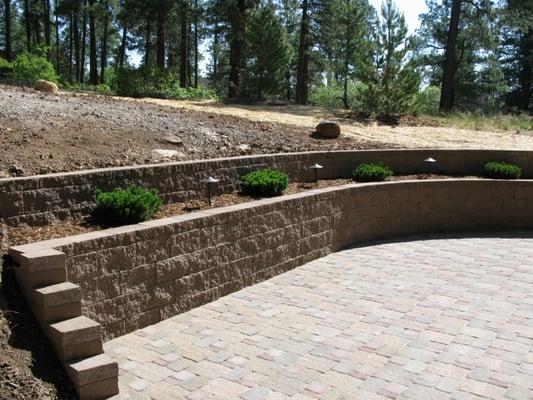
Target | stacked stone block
(56,304)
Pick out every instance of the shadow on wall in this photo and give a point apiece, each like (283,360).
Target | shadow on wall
(29,367)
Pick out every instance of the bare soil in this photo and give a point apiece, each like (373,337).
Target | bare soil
(403,132)
(44,133)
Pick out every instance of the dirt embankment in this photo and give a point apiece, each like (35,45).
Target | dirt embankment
(42,133)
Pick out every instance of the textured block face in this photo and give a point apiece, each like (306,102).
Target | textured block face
(39,200)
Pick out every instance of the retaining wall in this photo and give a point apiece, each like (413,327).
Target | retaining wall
(134,276)
(38,200)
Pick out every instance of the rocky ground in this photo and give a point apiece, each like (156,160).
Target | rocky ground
(42,133)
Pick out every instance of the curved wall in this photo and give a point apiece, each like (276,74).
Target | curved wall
(136,275)
(37,200)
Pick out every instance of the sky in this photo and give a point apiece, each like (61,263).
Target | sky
(410,8)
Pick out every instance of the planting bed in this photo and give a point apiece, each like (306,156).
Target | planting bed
(73,226)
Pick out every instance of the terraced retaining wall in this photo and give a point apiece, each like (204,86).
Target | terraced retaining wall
(37,200)
(136,275)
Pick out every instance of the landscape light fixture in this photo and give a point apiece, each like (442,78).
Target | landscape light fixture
(316,167)
(430,162)
(210,181)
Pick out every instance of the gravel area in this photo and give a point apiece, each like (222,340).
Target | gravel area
(43,133)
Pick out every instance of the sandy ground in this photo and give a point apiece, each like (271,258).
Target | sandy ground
(402,136)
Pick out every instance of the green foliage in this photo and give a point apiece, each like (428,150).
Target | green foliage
(396,82)
(268,52)
(28,68)
(371,173)
(502,170)
(478,76)
(265,182)
(127,206)
(153,82)
(330,96)
(6,68)
(428,100)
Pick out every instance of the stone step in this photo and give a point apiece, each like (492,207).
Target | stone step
(76,338)
(94,377)
(57,302)
(42,260)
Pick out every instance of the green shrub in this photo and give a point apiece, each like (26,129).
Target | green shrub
(330,96)
(126,206)
(6,68)
(502,170)
(371,173)
(429,100)
(265,182)
(153,82)
(28,68)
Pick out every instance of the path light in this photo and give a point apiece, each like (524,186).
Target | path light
(316,167)
(430,162)
(210,181)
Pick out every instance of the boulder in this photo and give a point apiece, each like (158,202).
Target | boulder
(45,86)
(328,129)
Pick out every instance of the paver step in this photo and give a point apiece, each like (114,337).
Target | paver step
(94,377)
(77,337)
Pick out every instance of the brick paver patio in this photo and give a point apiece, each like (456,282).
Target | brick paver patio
(448,318)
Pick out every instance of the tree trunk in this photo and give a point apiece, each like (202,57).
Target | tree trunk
(77,42)
(215,51)
(348,44)
(57,35)
(148,43)
(302,69)
(526,74)
(195,43)
(27,22)
(8,54)
(47,27)
(122,50)
(103,47)
(93,61)
(184,51)
(160,40)
(83,44)
(447,96)
(238,26)
(70,45)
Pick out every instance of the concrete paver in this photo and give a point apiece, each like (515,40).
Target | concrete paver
(432,318)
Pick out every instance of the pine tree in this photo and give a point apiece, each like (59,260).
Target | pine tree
(396,82)
(350,40)
(268,53)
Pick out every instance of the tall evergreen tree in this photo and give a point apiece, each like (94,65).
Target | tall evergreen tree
(396,82)
(268,53)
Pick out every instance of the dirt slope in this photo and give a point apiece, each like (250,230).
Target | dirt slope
(400,136)
(42,133)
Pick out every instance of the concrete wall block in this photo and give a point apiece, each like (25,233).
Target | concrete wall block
(11,204)
(42,260)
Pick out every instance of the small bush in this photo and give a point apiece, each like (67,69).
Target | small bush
(502,170)
(28,68)
(371,173)
(153,82)
(127,206)
(6,68)
(265,182)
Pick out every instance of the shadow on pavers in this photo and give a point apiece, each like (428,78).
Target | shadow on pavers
(29,367)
